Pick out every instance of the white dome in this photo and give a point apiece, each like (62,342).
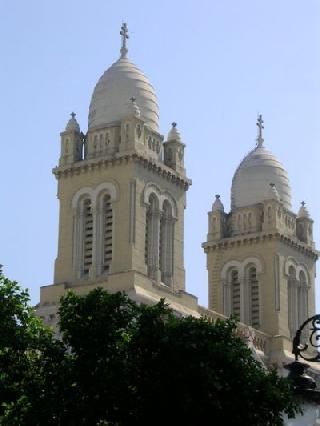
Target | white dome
(252,179)
(122,81)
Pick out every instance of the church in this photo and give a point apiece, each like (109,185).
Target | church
(122,190)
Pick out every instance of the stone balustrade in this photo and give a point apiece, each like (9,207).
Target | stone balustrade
(259,339)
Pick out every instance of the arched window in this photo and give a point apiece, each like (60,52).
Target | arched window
(269,214)
(166,244)
(95,145)
(93,219)
(292,301)
(107,233)
(87,241)
(152,237)
(302,297)
(239,222)
(254,302)
(245,221)
(235,294)
(104,229)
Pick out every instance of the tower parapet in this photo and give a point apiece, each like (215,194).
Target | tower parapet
(174,150)
(71,143)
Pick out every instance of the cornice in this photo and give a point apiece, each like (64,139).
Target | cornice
(85,166)
(258,238)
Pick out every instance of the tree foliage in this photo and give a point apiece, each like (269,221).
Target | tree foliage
(120,363)
(29,356)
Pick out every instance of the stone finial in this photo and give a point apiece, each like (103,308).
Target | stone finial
(217,205)
(260,125)
(124,36)
(174,134)
(303,211)
(73,125)
(133,108)
(272,193)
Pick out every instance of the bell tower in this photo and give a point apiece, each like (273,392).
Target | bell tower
(121,221)
(261,255)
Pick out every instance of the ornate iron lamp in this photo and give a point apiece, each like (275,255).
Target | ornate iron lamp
(313,338)
(306,345)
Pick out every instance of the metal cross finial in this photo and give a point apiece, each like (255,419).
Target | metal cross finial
(124,37)
(303,203)
(73,114)
(260,125)
(133,99)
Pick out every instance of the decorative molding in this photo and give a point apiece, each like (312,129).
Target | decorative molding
(82,193)
(162,196)
(277,282)
(260,238)
(298,266)
(111,188)
(253,261)
(302,267)
(154,166)
(241,266)
(227,266)
(132,210)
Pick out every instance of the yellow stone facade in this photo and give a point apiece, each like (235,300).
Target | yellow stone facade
(122,193)
(261,255)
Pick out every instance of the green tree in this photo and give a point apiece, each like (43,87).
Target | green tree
(29,360)
(137,365)
(120,363)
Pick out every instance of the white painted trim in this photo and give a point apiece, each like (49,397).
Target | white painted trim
(162,197)
(111,188)
(96,197)
(230,264)
(303,268)
(290,261)
(253,261)
(87,191)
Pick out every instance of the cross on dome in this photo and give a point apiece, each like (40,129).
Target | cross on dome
(303,203)
(124,37)
(73,125)
(260,125)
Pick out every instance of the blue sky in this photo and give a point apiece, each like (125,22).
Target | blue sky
(214,65)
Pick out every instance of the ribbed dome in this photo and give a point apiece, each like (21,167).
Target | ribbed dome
(252,179)
(111,96)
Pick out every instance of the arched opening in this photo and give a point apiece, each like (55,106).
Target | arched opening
(152,236)
(166,244)
(302,296)
(87,241)
(235,293)
(292,301)
(107,225)
(254,297)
